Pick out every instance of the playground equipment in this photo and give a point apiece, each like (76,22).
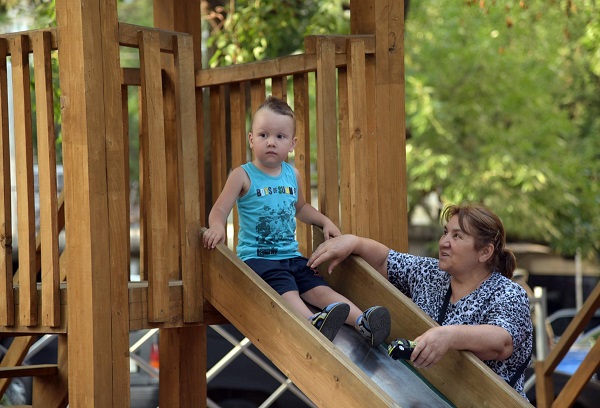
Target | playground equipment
(84,293)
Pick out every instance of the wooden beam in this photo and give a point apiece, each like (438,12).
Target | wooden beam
(91,103)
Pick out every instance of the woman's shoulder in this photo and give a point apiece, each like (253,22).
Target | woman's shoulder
(404,261)
(508,286)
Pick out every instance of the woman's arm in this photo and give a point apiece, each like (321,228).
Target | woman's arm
(337,249)
(488,342)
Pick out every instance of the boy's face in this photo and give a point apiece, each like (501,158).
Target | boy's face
(272,138)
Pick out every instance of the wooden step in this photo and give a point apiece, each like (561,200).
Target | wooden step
(29,371)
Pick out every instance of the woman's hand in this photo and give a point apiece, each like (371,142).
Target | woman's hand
(334,250)
(431,346)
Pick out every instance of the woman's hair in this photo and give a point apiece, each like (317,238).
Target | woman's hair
(486,228)
(278,106)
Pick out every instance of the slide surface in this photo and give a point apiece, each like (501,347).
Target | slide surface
(395,377)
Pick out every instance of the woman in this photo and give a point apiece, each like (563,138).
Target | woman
(468,290)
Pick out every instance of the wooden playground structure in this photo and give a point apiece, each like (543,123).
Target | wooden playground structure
(193,125)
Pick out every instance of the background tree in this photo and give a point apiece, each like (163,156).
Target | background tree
(502,109)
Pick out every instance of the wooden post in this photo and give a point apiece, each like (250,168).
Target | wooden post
(386,116)
(183,350)
(95,224)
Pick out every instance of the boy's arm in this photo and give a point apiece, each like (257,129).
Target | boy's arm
(237,182)
(311,216)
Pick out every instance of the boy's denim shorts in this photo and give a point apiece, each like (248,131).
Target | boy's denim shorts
(285,275)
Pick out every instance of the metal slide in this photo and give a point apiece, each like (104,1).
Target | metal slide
(395,377)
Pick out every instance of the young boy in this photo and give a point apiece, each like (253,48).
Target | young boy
(269,198)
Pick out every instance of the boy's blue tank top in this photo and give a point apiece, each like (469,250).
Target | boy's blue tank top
(268,215)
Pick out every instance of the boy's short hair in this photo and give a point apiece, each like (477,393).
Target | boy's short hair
(278,106)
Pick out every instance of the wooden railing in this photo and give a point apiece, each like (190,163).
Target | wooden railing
(333,69)
(40,44)
(545,369)
(168,140)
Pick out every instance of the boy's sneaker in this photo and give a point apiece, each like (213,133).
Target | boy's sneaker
(375,324)
(330,319)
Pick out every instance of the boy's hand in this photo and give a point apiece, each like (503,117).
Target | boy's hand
(213,236)
(330,230)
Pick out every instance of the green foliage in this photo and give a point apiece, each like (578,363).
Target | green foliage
(255,30)
(502,108)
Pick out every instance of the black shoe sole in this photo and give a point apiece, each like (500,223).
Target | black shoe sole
(334,320)
(380,323)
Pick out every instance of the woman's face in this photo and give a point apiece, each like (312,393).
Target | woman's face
(457,253)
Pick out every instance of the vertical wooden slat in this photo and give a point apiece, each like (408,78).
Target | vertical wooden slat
(361,158)
(279,87)
(238,138)
(47,179)
(347,170)
(218,141)
(153,125)
(302,155)
(7,311)
(125,167)
(187,150)
(24,171)
(144,192)
(327,152)
(257,94)
(390,125)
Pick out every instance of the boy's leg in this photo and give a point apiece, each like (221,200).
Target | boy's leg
(375,324)
(330,319)
(321,296)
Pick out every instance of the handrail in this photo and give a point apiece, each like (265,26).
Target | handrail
(544,369)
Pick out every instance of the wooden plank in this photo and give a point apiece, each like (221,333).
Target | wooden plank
(7,316)
(279,87)
(47,179)
(129,36)
(53,31)
(173,241)
(340,42)
(90,101)
(302,155)
(347,171)
(218,160)
(182,345)
(239,144)
(257,97)
(544,386)
(291,65)
(189,184)
(568,395)
(327,376)
(24,176)
(144,191)
(117,175)
(153,126)
(52,391)
(390,127)
(573,330)
(460,376)
(20,327)
(28,370)
(327,132)
(14,357)
(362,158)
